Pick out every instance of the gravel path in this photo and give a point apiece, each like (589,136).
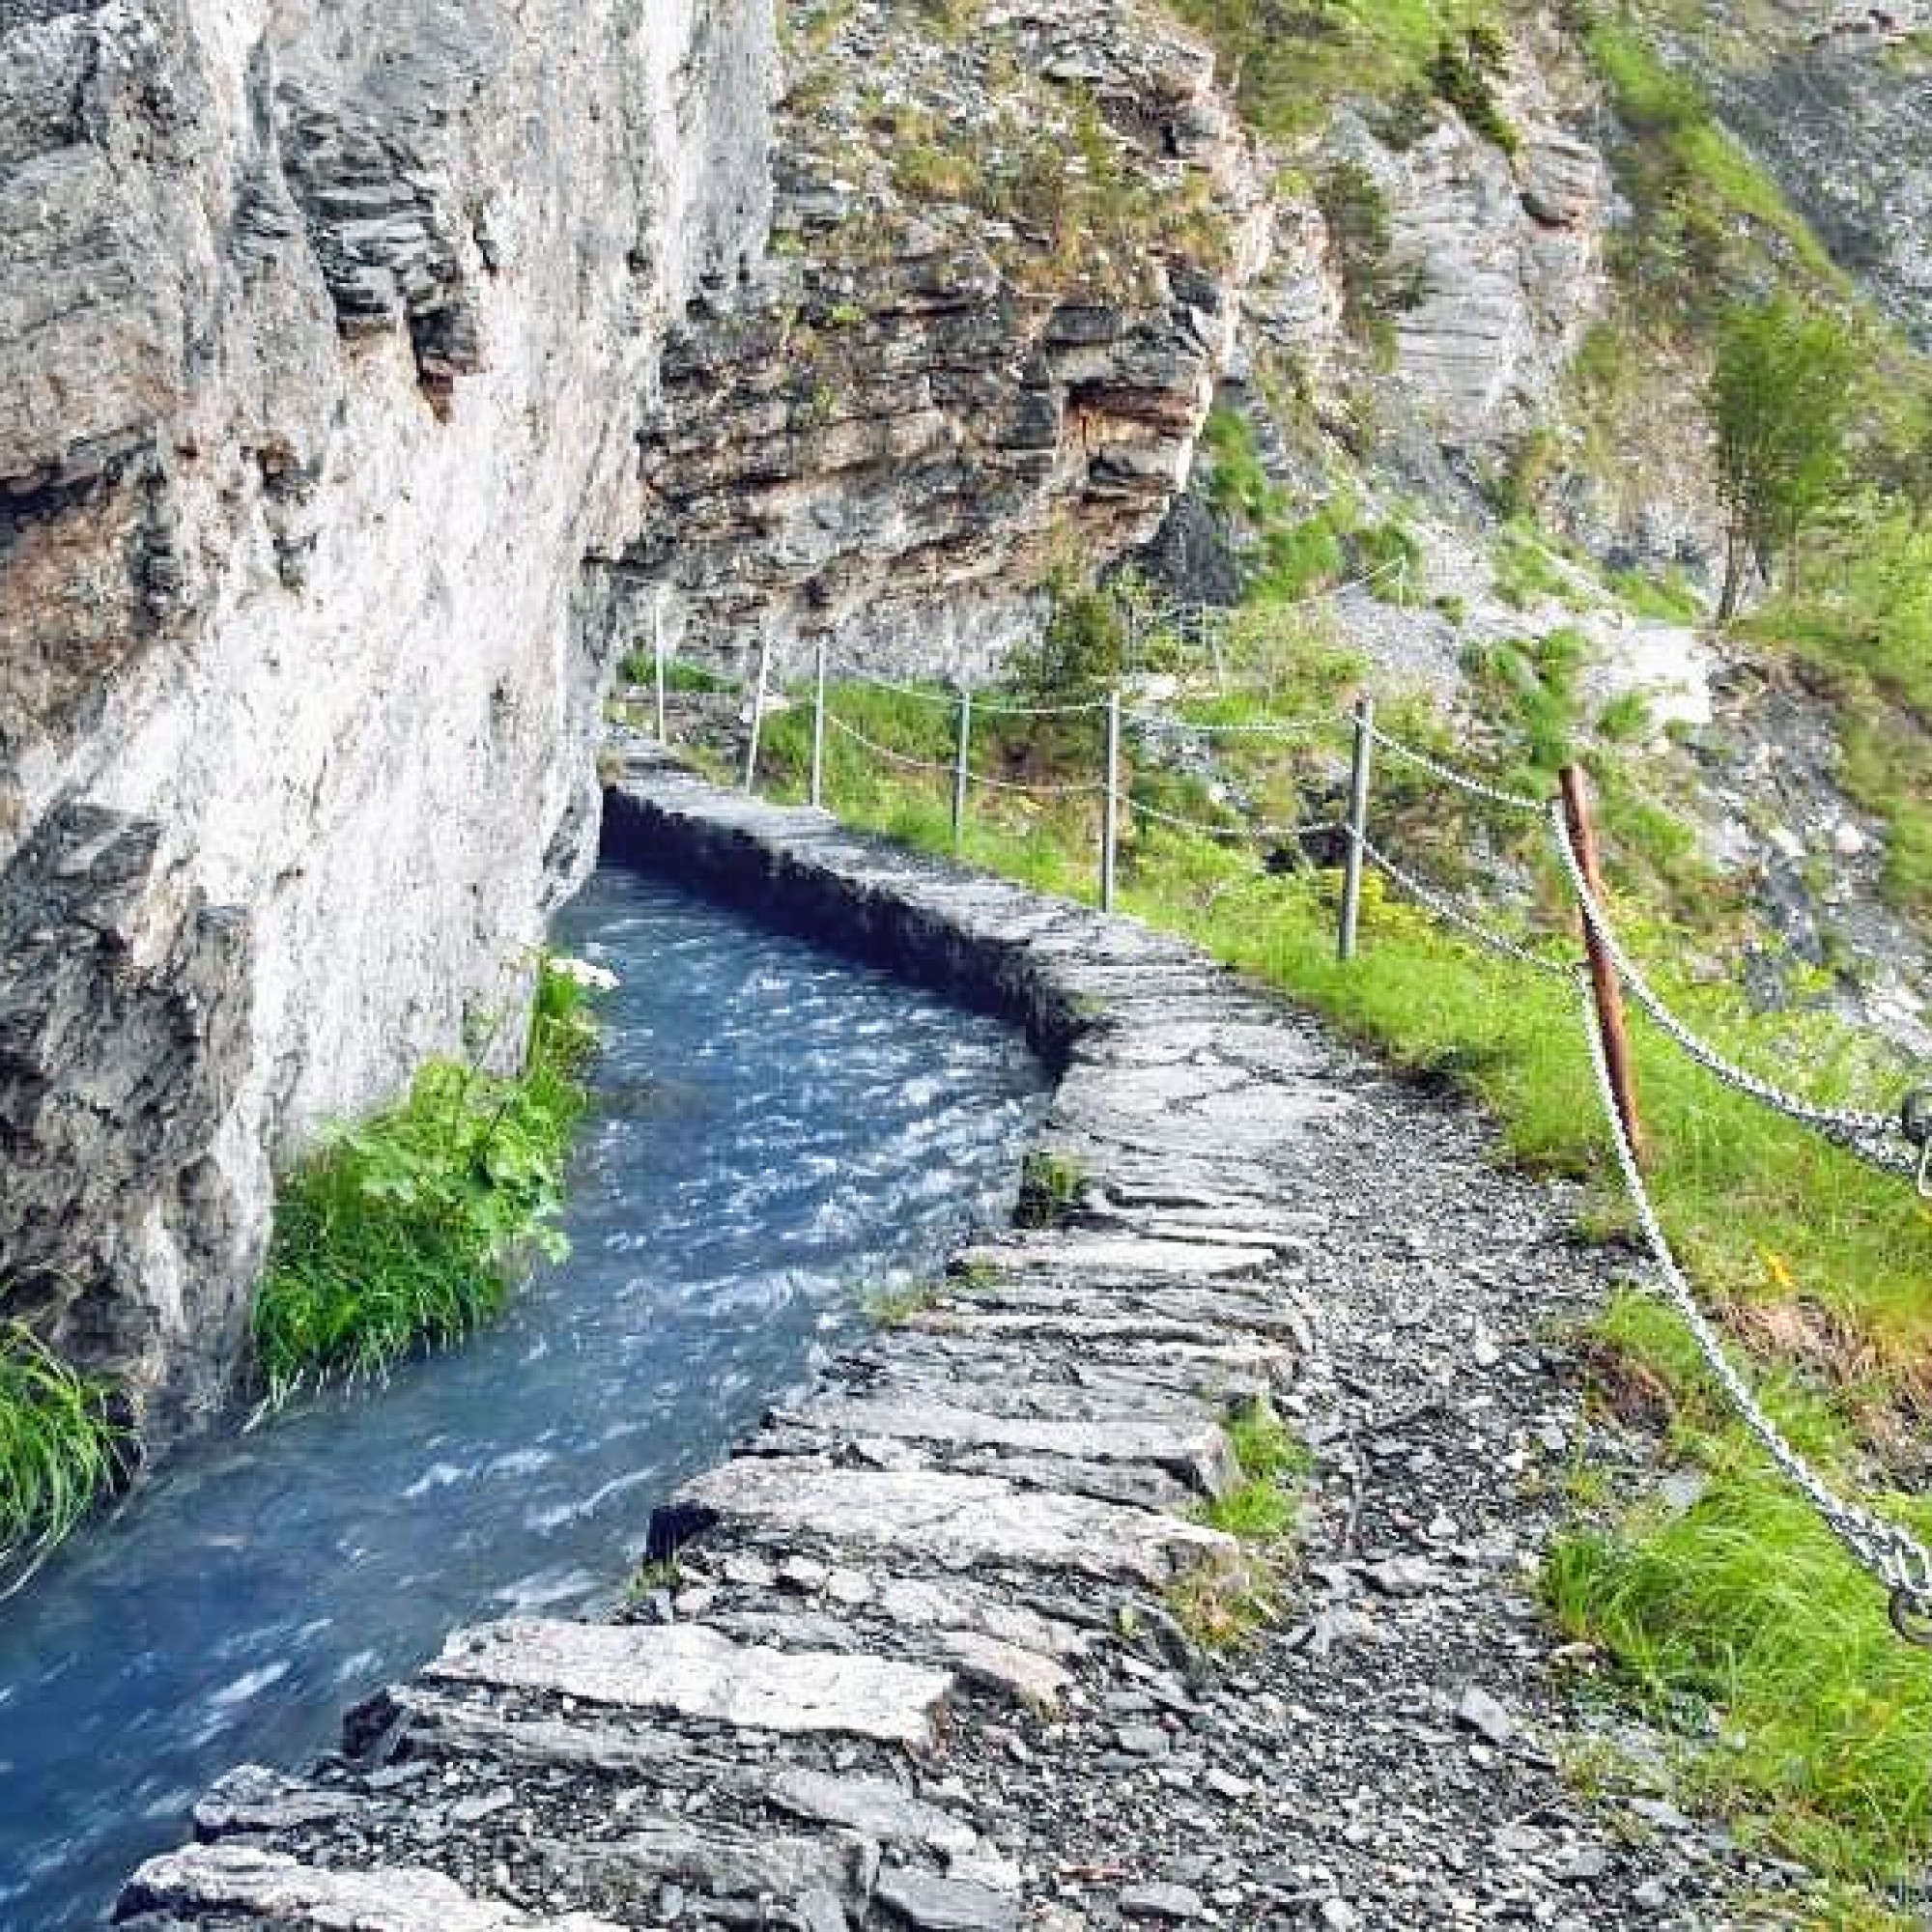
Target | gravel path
(917,1667)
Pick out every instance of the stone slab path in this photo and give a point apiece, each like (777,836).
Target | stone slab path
(915,1665)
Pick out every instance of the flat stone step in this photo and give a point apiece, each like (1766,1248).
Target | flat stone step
(1140,1484)
(928,1603)
(715,1860)
(872,1806)
(1078,1328)
(1106,1377)
(1010,1670)
(694,1672)
(254,1800)
(242,1880)
(1119,1254)
(1227,1307)
(421,1723)
(1197,1453)
(1137,1485)
(957,1521)
(958,1604)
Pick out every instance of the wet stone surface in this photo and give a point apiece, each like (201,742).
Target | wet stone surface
(1019,1733)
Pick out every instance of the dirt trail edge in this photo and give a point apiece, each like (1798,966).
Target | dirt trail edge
(918,1661)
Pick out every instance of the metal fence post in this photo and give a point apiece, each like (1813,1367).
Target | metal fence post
(658,657)
(1359,826)
(962,770)
(757,712)
(1110,819)
(818,728)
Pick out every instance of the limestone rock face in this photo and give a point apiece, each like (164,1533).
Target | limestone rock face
(1492,269)
(326,336)
(1006,272)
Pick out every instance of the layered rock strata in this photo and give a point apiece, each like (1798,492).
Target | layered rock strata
(1008,242)
(325,336)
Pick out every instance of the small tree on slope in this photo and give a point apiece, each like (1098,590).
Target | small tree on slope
(1784,397)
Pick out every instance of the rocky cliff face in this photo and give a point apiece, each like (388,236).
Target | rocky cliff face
(1009,245)
(325,336)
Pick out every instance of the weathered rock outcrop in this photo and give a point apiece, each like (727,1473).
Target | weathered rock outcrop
(325,339)
(1478,270)
(1006,274)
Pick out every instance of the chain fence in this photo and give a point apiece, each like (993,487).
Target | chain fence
(1887,1550)
(1450,913)
(1861,1132)
(1470,787)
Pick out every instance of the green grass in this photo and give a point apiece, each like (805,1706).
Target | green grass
(1708,220)
(405,1230)
(1227,1601)
(1746,1631)
(639,669)
(1858,623)
(1290,67)
(1050,1187)
(1530,571)
(893,1305)
(58,1445)
(1670,599)
(1265,1507)
(1741,1606)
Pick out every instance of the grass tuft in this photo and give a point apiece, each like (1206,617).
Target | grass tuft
(1050,1189)
(1224,1603)
(59,1447)
(405,1230)
(894,1305)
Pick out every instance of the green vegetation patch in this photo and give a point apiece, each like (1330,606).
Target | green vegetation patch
(405,1230)
(1858,626)
(1708,220)
(59,1446)
(1225,1603)
(1290,65)
(1266,1506)
(1050,1189)
(1745,1631)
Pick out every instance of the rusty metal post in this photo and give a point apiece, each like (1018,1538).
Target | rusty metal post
(1604,982)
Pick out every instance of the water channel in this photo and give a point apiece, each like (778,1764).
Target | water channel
(777,1132)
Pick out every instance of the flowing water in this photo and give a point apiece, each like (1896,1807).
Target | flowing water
(777,1132)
